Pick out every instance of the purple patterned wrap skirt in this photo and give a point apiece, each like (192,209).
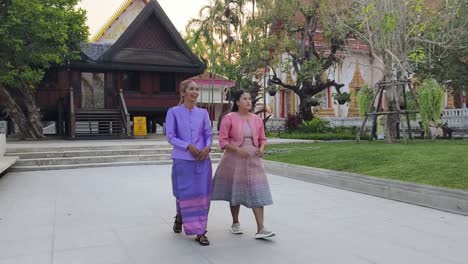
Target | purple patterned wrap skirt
(191,186)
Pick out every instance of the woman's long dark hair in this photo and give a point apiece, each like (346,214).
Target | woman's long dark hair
(235,96)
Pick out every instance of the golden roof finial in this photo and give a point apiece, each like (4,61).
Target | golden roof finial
(112,19)
(357,80)
(289,79)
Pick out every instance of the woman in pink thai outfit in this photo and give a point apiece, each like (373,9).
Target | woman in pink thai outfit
(240,178)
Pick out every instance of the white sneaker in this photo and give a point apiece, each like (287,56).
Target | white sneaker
(236,229)
(264,234)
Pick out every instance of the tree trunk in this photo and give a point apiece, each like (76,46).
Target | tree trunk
(304,109)
(457,98)
(32,112)
(21,108)
(392,123)
(14,111)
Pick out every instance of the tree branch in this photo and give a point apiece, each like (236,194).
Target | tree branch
(278,81)
(332,57)
(295,60)
(439,44)
(368,65)
(311,38)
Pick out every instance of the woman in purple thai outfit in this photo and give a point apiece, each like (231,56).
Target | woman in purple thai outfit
(188,130)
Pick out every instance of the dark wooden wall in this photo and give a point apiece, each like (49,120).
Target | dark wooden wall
(56,86)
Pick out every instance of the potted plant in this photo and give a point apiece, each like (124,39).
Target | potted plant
(313,102)
(342,97)
(271,89)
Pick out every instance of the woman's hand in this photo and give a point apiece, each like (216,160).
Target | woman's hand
(244,154)
(260,151)
(204,153)
(193,150)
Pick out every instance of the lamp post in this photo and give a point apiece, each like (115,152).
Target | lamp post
(264,91)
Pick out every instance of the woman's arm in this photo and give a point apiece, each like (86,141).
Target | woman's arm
(261,134)
(225,140)
(261,138)
(171,135)
(207,137)
(225,128)
(207,133)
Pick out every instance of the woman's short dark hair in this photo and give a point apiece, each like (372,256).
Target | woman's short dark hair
(235,96)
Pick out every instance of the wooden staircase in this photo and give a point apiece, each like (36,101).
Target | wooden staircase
(99,123)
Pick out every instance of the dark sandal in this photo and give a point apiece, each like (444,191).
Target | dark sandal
(202,239)
(177,227)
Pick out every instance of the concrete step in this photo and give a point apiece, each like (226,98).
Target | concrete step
(96,159)
(96,152)
(93,165)
(93,155)
(87,148)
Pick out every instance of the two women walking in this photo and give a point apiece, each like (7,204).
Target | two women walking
(240,178)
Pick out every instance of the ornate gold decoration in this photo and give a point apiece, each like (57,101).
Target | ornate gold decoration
(113,18)
(356,83)
(450,101)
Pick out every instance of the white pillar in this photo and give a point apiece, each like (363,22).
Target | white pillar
(2,144)
(3,131)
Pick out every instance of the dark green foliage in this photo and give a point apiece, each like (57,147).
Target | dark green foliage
(293,122)
(35,35)
(316,125)
(322,136)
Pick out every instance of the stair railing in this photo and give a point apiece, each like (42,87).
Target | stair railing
(72,115)
(124,112)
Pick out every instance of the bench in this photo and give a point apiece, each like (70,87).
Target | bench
(6,162)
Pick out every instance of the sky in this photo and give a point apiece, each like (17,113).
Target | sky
(178,11)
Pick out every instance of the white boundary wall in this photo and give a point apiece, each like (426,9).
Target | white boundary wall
(2,144)
(3,129)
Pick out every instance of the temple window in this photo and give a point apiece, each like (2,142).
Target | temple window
(167,82)
(131,81)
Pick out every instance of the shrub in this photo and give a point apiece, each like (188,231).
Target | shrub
(342,97)
(364,98)
(430,98)
(327,136)
(345,130)
(293,122)
(316,125)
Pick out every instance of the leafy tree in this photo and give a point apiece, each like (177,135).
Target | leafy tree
(34,36)
(296,25)
(402,35)
(364,99)
(449,66)
(230,36)
(255,38)
(430,99)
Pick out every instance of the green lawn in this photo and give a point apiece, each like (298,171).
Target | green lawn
(440,163)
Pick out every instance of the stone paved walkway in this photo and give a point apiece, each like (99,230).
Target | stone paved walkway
(123,216)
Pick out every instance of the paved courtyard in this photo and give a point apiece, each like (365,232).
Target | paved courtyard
(124,215)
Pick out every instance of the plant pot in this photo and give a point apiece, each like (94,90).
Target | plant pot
(272,93)
(314,102)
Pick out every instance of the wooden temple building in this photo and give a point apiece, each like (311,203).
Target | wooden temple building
(132,67)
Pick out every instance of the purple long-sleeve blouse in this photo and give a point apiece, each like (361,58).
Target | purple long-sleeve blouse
(184,127)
